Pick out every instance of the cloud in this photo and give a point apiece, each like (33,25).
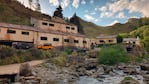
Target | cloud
(91,1)
(141,6)
(83,2)
(65,3)
(89,18)
(114,22)
(116,7)
(104,8)
(105,14)
(93,13)
(75,3)
(54,2)
(121,15)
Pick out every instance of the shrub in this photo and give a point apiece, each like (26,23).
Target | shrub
(6,51)
(60,61)
(112,55)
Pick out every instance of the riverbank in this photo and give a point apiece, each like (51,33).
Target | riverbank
(82,74)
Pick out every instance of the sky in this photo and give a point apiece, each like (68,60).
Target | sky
(100,12)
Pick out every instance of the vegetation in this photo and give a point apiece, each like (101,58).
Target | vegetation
(143,33)
(112,55)
(9,55)
(128,78)
(119,39)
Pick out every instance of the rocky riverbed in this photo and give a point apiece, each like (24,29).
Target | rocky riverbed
(91,73)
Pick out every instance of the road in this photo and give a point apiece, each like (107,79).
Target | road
(14,68)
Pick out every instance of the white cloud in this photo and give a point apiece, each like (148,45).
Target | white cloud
(103,8)
(91,1)
(54,2)
(24,2)
(76,3)
(93,13)
(83,2)
(96,20)
(114,22)
(140,6)
(121,15)
(105,14)
(89,18)
(65,3)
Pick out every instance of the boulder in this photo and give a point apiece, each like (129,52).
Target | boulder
(130,70)
(129,80)
(144,67)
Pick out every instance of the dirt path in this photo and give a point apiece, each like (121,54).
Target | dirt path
(14,68)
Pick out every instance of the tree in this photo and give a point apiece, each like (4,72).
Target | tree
(58,12)
(119,39)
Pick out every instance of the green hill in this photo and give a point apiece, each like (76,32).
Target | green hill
(93,30)
(13,12)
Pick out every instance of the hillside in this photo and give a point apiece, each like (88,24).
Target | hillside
(92,30)
(13,12)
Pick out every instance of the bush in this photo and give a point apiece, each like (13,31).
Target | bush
(112,55)
(60,61)
(6,51)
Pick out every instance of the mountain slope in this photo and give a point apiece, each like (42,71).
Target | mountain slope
(13,12)
(92,30)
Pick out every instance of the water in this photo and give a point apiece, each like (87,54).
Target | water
(116,78)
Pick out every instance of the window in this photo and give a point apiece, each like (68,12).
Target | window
(66,40)
(72,28)
(25,33)
(51,24)
(43,38)
(76,41)
(11,31)
(110,41)
(44,23)
(67,27)
(101,41)
(55,39)
(84,42)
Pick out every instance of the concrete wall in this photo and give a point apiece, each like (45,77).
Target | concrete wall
(56,26)
(106,41)
(17,36)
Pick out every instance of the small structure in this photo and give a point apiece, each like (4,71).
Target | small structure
(134,41)
(106,39)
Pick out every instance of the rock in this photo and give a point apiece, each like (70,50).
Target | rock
(100,70)
(144,67)
(107,69)
(129,80)
(90,65)
(130,70)
(146,79)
